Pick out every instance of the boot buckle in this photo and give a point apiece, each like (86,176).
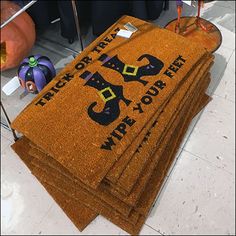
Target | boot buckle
(130,70)
(107,94)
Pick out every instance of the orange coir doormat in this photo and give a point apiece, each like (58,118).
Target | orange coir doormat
(113,203)
(50,171)
(130,229)
(99,192)
(113,220)
(111,96)
(116,203)
(108,99)
(107,197)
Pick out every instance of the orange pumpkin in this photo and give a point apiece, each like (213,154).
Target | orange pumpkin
(17,37)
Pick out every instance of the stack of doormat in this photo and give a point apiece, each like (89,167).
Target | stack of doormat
(102,135)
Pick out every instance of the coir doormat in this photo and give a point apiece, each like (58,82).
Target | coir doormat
(50,171)
(181,91)
(108,90)
(114,202)
(103,134)
(138,191)
(126,226)
(100,192)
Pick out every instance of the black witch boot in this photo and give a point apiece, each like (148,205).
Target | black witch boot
(109,93)
(131,72)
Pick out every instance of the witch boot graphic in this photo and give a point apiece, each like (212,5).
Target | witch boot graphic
(109,93)
(131,72)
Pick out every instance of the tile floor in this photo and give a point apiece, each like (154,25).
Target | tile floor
(199,194)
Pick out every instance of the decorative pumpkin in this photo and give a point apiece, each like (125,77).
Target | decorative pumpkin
(17,37)
(35,72)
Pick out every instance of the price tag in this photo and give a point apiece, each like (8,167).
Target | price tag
(11,86)
(124,33)
(130,27)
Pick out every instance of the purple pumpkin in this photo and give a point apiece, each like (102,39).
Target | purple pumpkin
(35,72)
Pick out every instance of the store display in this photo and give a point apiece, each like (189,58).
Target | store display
(104,132)
(35,72)
(17,38)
